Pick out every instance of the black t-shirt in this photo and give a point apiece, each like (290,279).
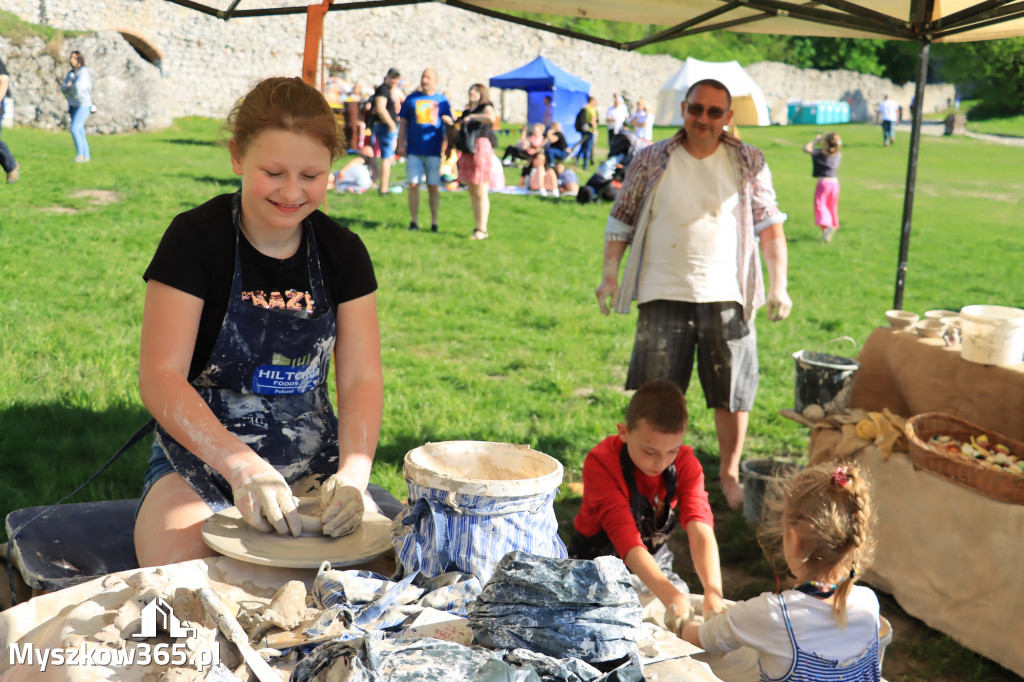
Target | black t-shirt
(3,72)
(384,90)
(825,165)
(197,255)
(485,128)
(559,142)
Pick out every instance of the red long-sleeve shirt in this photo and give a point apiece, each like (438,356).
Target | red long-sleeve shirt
(606,495)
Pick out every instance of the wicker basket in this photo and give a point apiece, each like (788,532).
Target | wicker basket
(969,473)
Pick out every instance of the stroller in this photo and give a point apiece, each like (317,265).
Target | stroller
(605,183)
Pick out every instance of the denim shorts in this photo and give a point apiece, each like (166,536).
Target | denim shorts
(418,167)
(159,466)
(387,139)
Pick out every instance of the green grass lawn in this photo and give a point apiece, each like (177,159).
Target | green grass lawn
(498,340)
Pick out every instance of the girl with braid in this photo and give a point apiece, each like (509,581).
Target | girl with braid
(825,628)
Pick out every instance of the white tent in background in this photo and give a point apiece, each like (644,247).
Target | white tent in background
(748,103)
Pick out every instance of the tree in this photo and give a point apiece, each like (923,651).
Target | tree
(993,70)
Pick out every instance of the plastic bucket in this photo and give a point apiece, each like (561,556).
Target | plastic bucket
(472,502)
(472,467)
(823,379)
(992,334)
(758,475)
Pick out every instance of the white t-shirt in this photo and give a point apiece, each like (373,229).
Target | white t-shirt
(889,110)
(616,117)
(758,623)
(691,243)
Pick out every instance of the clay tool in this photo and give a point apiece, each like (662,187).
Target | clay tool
(236,635)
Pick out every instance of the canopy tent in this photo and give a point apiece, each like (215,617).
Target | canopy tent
(542,78)
(748,103)
(923,21)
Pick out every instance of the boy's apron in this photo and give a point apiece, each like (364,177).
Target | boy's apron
(655,525)
(266,381)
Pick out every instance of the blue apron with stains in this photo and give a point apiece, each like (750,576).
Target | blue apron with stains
(266,381)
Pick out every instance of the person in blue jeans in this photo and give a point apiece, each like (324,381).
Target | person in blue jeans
(385,126)
(556,148)
(586,153)
(7,161)
(77,87)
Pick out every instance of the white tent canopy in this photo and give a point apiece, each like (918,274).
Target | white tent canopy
(748,103)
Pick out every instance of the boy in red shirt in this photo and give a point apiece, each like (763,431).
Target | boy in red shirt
(638,485)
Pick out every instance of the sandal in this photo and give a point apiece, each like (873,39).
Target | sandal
(480,234)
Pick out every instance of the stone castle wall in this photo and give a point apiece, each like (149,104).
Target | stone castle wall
(187,63)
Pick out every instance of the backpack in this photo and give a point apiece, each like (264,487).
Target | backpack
(581,124)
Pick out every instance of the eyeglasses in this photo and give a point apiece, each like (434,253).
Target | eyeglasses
(696,109)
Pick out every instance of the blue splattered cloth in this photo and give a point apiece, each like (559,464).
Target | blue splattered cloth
(375,659)
(560,607)
(369,601)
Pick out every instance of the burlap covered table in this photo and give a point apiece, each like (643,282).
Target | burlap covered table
(950,556)
(910,375)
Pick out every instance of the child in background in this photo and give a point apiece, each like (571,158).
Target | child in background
(448,171)
(637,485)
(825,158)
(568,182)
(827,627)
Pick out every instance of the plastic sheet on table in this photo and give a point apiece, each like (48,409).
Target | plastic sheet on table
(560,607)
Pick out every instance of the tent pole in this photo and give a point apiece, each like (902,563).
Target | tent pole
(908,197)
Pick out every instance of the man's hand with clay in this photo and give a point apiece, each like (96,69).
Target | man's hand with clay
(776,259)
(263,497)
(342,506)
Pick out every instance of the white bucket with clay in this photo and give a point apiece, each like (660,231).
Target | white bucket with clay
(992,334)
(472,502)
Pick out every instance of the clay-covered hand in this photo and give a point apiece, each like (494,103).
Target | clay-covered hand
(677,615)
(779,305)
(264,499)
(342,506)
(607,293)
(713,605)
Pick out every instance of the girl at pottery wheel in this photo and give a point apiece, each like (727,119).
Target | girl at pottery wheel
(247,298)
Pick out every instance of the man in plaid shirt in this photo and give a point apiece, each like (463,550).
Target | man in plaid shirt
(694,208)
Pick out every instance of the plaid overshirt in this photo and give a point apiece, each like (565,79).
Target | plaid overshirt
(756,210)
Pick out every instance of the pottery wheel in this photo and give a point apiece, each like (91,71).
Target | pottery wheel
(230,535)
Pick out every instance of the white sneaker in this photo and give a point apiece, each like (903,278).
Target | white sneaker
(542,192)
(554,193)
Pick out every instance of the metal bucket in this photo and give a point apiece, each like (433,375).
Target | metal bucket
(758,475)
(823,379)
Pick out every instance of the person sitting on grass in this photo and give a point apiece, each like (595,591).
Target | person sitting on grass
(537,177)
(556,148)
(356,176)
(527,147)
(568,182)
(637,486)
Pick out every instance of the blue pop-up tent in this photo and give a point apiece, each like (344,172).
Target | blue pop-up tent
(541,78)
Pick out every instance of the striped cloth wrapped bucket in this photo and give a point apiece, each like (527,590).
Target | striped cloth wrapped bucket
(473,502)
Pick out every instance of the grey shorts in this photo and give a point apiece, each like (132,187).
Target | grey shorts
(670,333)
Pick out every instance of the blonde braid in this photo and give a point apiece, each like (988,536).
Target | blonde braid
(859,508)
